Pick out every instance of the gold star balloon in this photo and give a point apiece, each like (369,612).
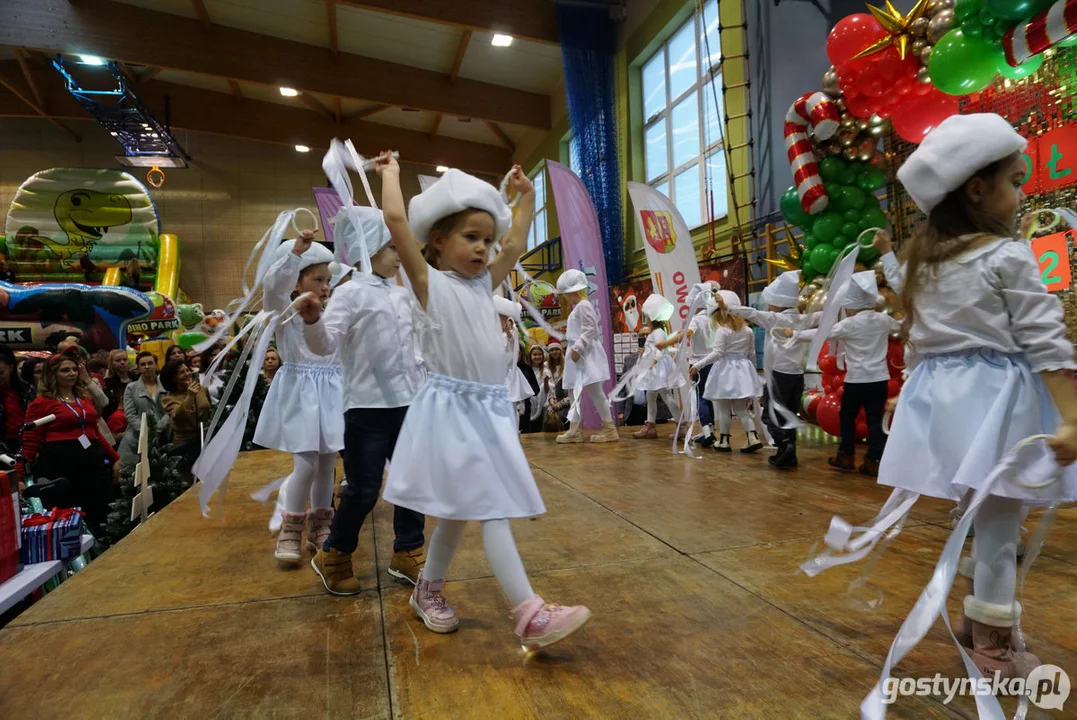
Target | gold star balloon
(897,26)
(791,261)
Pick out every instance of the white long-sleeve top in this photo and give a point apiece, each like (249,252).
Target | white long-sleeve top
(582,335)
(278,286)
(369,321)
(992,297)
(893,271)
(865,338)
(730,342)
(702,336)
(778,355)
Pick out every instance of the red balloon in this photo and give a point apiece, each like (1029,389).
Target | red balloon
(828,382)
(827,415)
(838,383)
(851,35)
(813,406)
(828,365)
(916,116)
(840,392)
(895,358)
(861,431)
(860,106)
(893,387)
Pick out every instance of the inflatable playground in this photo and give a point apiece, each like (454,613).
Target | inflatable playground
(83,252)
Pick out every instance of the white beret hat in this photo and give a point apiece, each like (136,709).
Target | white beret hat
(784,291)
(507,308)
(316,255)
(953,152)
(454,192)
(358,232)
(863,291)
(730,298)
(657,308)
(571,280)
(706,290)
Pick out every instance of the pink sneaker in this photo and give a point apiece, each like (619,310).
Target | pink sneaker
(290,538)
(539,624)
(432,608)
(318,522)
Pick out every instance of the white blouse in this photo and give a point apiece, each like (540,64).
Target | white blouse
(730,342)
(779,355)
(279,284)
(865,338)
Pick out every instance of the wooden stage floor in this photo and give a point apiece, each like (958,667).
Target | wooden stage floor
(689,567)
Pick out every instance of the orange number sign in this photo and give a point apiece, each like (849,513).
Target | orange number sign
(1054,260)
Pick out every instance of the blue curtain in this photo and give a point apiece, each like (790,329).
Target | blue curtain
(588,43)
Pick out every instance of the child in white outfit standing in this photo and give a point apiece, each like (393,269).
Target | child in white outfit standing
(733,381)
(587,365)
(368,322)
(993,367)
(864,337)
(302,413)
(459,456)
(658,374)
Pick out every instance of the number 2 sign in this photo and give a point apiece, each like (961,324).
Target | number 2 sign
(1053,257)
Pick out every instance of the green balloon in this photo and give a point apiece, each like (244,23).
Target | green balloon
(836,193)
(873,218)
(871,203)
(878,178)
(1021,71)
(809,241)
(827,227)
(849,231)
(965,9)
(792,210)
(1014,10)
(960,64)
(848,177)
(868,256)
(972,28)
(851,216)
(822,258)
(831,168)
(1068,42)
(987,18)
(854,197)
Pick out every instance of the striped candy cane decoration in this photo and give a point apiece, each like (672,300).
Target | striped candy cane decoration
(817,112)
(1043,31)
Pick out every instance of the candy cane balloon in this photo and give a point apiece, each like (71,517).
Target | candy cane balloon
(815,111)
(1043,31)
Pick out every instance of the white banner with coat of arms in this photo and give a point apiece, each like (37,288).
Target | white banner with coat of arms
(670,255)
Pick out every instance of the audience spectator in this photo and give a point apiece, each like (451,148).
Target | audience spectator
(15,397)
(141,396)
(187,405)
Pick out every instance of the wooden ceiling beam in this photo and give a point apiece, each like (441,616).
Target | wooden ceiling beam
(502,136)
(197,110)
(367,112)
(236,92)
(146,37)
(30,79)
(331,8)
(338,116)
(317,106)
(437,124)
(527,19)
(202,13)
(38,109)
(153,72)
(465,40)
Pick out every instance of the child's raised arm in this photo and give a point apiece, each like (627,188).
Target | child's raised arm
(396,218)
(515,242)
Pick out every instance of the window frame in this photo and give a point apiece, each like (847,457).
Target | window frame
(707,147)
(540,217)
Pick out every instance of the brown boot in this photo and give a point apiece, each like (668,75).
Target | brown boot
(992,648)
(843,462)
(870,467)
(407,565)
(318,522)
(290,539)
(335,570)
(648,432)
(608,433)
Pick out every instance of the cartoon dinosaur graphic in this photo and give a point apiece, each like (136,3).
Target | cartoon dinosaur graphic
(85,216)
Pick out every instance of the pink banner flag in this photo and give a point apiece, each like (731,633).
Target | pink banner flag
(581,248)
(329,205)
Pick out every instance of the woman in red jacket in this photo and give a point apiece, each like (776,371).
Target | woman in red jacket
(71,446)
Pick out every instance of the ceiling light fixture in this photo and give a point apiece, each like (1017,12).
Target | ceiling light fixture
(302,148)
(442,168)
(499,40)
(289,92)
(92,60)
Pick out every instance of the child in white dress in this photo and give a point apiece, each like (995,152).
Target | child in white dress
(733,381)
(518,387)
(587,365)
(303,412)
(459,456)
(658,374)
(992,367)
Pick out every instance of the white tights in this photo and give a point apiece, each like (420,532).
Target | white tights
(725,409)
(500,553)
(313,476)
(598,399)
(652,403)
(998,527)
